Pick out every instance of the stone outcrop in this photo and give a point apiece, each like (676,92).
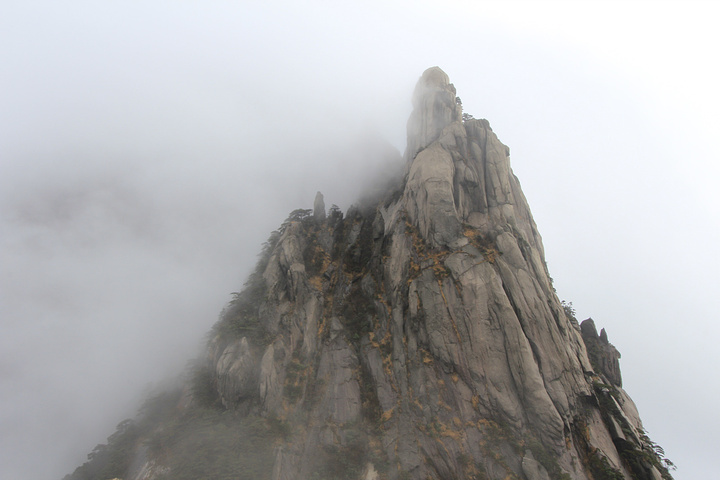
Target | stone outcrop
(419,336)
(319,207)
(435,106)
(603,355)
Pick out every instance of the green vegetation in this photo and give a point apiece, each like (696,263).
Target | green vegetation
(205,441)
(357,311)
(202,385)
(359,253)
(196,443)
(593,460)
(110,460)
(484,243)
(346,461)
(335,216)
(113,459)
(218,445)
(601,469)
(313,255)
(638,458)
(241,317)
(569,311)
(296,375)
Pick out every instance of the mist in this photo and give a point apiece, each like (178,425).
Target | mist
(148,149)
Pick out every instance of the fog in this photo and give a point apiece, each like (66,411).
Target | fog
(147,149)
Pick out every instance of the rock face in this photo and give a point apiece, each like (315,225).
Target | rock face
(419,336)
(604,357)
(435,106)
(425,328)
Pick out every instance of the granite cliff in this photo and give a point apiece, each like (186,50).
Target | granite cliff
(416,336)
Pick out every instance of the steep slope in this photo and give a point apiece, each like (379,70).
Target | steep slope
(418,336)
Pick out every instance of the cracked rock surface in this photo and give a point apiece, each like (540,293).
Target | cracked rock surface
(420,332)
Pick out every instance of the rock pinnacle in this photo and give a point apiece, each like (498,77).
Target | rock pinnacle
(434,108)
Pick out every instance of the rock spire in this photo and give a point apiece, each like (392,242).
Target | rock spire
(319,207)
(435,106)
(419,336)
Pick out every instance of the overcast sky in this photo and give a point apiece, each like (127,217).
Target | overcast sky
(147,149)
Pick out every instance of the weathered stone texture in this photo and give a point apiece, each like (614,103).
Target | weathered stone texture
(319,207)
(603,355)
(426,324)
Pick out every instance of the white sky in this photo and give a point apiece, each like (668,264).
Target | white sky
(147,149)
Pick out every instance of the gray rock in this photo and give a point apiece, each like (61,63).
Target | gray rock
(319,208)
(603,355)
(237,375)
(432,329)
(434,108)
(532,469)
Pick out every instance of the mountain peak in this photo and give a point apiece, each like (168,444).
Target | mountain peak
(435,75)
(417,337)
(435,106)
(459,171)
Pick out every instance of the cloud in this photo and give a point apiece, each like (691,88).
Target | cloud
(148,149)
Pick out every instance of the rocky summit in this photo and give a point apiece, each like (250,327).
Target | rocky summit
(416,336)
